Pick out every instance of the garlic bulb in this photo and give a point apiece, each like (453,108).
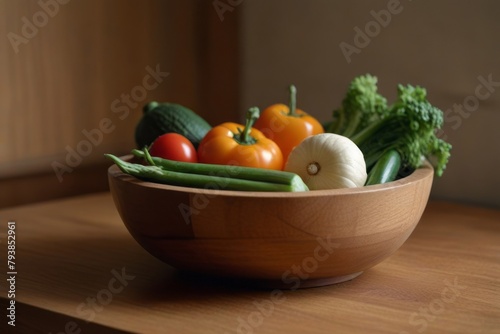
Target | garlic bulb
(328,161)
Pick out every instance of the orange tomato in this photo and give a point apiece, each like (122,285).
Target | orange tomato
(286,125)
(242,145)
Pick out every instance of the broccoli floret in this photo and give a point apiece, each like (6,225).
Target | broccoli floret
(408,126)
(361,105)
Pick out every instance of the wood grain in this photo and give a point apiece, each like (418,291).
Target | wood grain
(67,250)
(329,234)
(64,79)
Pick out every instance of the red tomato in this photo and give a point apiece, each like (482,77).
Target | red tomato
(173,146)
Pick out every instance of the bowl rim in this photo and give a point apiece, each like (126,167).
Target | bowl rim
(425,171)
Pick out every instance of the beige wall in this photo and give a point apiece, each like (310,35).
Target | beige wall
(442,45)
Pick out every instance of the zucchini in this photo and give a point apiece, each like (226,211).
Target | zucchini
(385,169)
(161,118)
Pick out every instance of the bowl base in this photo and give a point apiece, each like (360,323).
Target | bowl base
(198,278)
(306,283)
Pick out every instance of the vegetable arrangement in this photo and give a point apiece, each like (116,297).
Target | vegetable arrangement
(366,142)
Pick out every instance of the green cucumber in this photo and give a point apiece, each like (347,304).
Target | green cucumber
(161,118)
(385,169)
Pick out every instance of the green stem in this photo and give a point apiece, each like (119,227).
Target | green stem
(362,136)
(293,102)
(160,175)
(237,172)
(337,124)
(353,124)
(150,106)
(148,157)
(244,137)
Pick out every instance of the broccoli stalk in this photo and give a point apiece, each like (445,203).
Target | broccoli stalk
(408,126)
(361,106)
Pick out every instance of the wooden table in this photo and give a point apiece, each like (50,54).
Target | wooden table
(79,271)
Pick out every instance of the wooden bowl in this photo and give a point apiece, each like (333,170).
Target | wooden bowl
(285,240)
